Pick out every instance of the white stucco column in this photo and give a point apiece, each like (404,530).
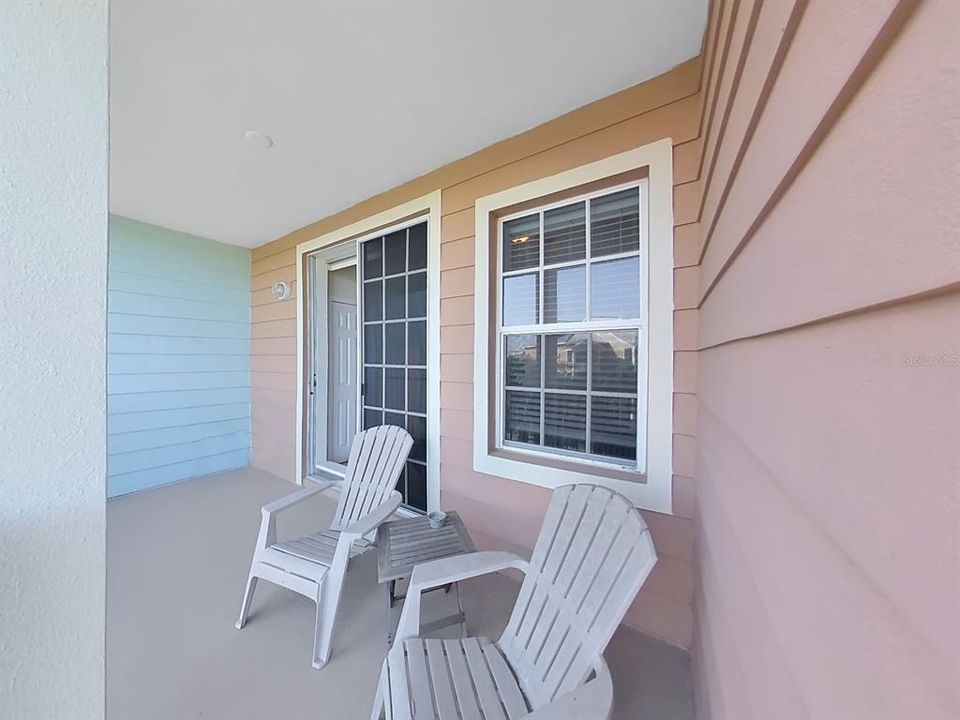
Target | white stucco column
(53,270)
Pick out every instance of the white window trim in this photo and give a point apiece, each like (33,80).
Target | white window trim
(653,489)
(427,207)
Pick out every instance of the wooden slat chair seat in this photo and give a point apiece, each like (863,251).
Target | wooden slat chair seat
(592,556)
(468,678)
(320,547)
(315,565)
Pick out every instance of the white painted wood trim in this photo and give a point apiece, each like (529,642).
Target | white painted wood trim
(654,490)
(429,207)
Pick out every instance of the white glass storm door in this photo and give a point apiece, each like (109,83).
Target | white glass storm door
(333,375)
(393,269)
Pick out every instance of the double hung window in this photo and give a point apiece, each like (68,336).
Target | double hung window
(570,328)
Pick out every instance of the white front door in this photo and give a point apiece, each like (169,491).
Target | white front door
(342,394)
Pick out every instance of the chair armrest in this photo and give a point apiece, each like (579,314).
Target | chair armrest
(591,701)
(449,570)
(373,519)
(268,520)
(295,497)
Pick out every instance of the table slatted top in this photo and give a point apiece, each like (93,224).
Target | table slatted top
(401,544)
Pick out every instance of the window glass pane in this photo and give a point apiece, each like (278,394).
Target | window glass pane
(417,342)
(418,247)
(521,299)
(396,343)
(521,243)
(615,223)
(613,427)
(373,343)
(416,486)
(418,295)
(564,234)
(373,386)
(372,418)
(565,421)
(417,390)
(396,304)
(614,363)
(373,258)
(565,294)
(523,360)
(394,390)
(373,300)
(395,253)
(521,417)
(565,361)
(417,427)
(615,289)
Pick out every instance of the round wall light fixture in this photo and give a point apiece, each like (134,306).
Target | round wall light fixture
(281,290)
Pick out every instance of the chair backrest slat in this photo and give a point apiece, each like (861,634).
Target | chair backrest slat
(377,457)
(593,554)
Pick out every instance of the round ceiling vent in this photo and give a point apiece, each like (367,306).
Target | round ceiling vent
(259,139)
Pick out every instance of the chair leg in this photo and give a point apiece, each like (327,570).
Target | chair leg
(328,601)
(247,598)
(379,707)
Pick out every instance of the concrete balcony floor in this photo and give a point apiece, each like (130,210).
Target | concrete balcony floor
(177,559)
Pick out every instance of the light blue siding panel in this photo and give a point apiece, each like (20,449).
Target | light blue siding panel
(141,479)
(152,242)
(133,263)
(162,382)
(171,288)
(164,437)
(139,402)
(176,417)
(169,345)
(155,457)
(178,369)
(128,303)
(141,325)
(148,363)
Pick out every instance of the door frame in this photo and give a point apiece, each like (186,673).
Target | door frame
(315,360)
(349,237)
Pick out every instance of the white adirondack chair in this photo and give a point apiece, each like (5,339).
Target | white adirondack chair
(593,554)
(316,565)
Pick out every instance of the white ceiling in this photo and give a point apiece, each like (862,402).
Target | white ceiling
(358,96)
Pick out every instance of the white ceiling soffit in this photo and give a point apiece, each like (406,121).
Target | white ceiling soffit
(358,97)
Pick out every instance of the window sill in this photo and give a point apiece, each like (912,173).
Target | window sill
(592,469)
(648,491)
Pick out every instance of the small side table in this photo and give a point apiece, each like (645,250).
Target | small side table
(401,545)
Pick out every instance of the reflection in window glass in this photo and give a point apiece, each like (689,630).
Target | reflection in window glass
(615,223)
(521,299)
(565,422)
(613,366)
(615,289)
(521,417)
(565,361)
(521,243)
(564,234)
(565,294)
(613,431)
(523,361)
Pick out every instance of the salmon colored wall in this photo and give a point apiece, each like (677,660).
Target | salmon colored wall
(503,513)
(828,392)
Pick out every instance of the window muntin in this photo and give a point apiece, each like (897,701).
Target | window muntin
(570,328)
